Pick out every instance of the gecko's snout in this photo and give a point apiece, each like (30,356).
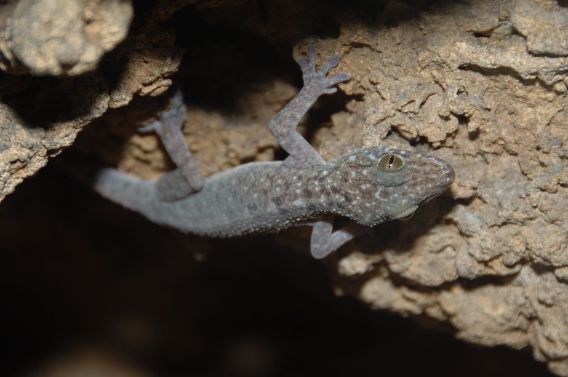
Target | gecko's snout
(446,170)
(450,174)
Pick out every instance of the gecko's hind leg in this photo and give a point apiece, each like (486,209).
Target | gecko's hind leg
(187,178)
(324,240)
(283,125)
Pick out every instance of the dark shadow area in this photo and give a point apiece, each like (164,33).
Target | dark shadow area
(77,270)
(400,235)
(41,101)
(226,62)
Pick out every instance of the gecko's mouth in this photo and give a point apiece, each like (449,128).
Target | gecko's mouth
(407,213)
(431,196)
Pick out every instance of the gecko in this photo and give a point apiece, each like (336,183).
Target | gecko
(368,186)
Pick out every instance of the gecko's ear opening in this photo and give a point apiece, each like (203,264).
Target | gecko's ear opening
(407,214)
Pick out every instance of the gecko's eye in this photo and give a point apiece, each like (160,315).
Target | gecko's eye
(391,163)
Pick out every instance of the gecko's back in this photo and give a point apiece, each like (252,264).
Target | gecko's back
(242,200)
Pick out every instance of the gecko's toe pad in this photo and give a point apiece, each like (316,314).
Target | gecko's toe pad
(318,80)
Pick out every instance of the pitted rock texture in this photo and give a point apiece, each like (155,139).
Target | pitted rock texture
(40,116)
(491,257)
(61,37)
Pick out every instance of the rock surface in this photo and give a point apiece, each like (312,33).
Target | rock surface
(55,81)
(482,85)
(61,37)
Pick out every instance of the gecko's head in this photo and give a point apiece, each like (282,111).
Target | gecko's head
(380,183)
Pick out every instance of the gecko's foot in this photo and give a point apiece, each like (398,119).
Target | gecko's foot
(318,80)
(173,116)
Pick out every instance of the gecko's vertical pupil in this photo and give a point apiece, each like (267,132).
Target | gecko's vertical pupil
(391,163)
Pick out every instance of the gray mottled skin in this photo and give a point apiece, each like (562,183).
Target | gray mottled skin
(369,186)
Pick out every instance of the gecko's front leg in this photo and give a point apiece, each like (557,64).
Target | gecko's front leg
(283,125)
(187,178)
(324,240)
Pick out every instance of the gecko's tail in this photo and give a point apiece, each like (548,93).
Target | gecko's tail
(128,191)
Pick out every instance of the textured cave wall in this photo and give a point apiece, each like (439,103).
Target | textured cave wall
(481,84)
(55,79)
(485,85)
